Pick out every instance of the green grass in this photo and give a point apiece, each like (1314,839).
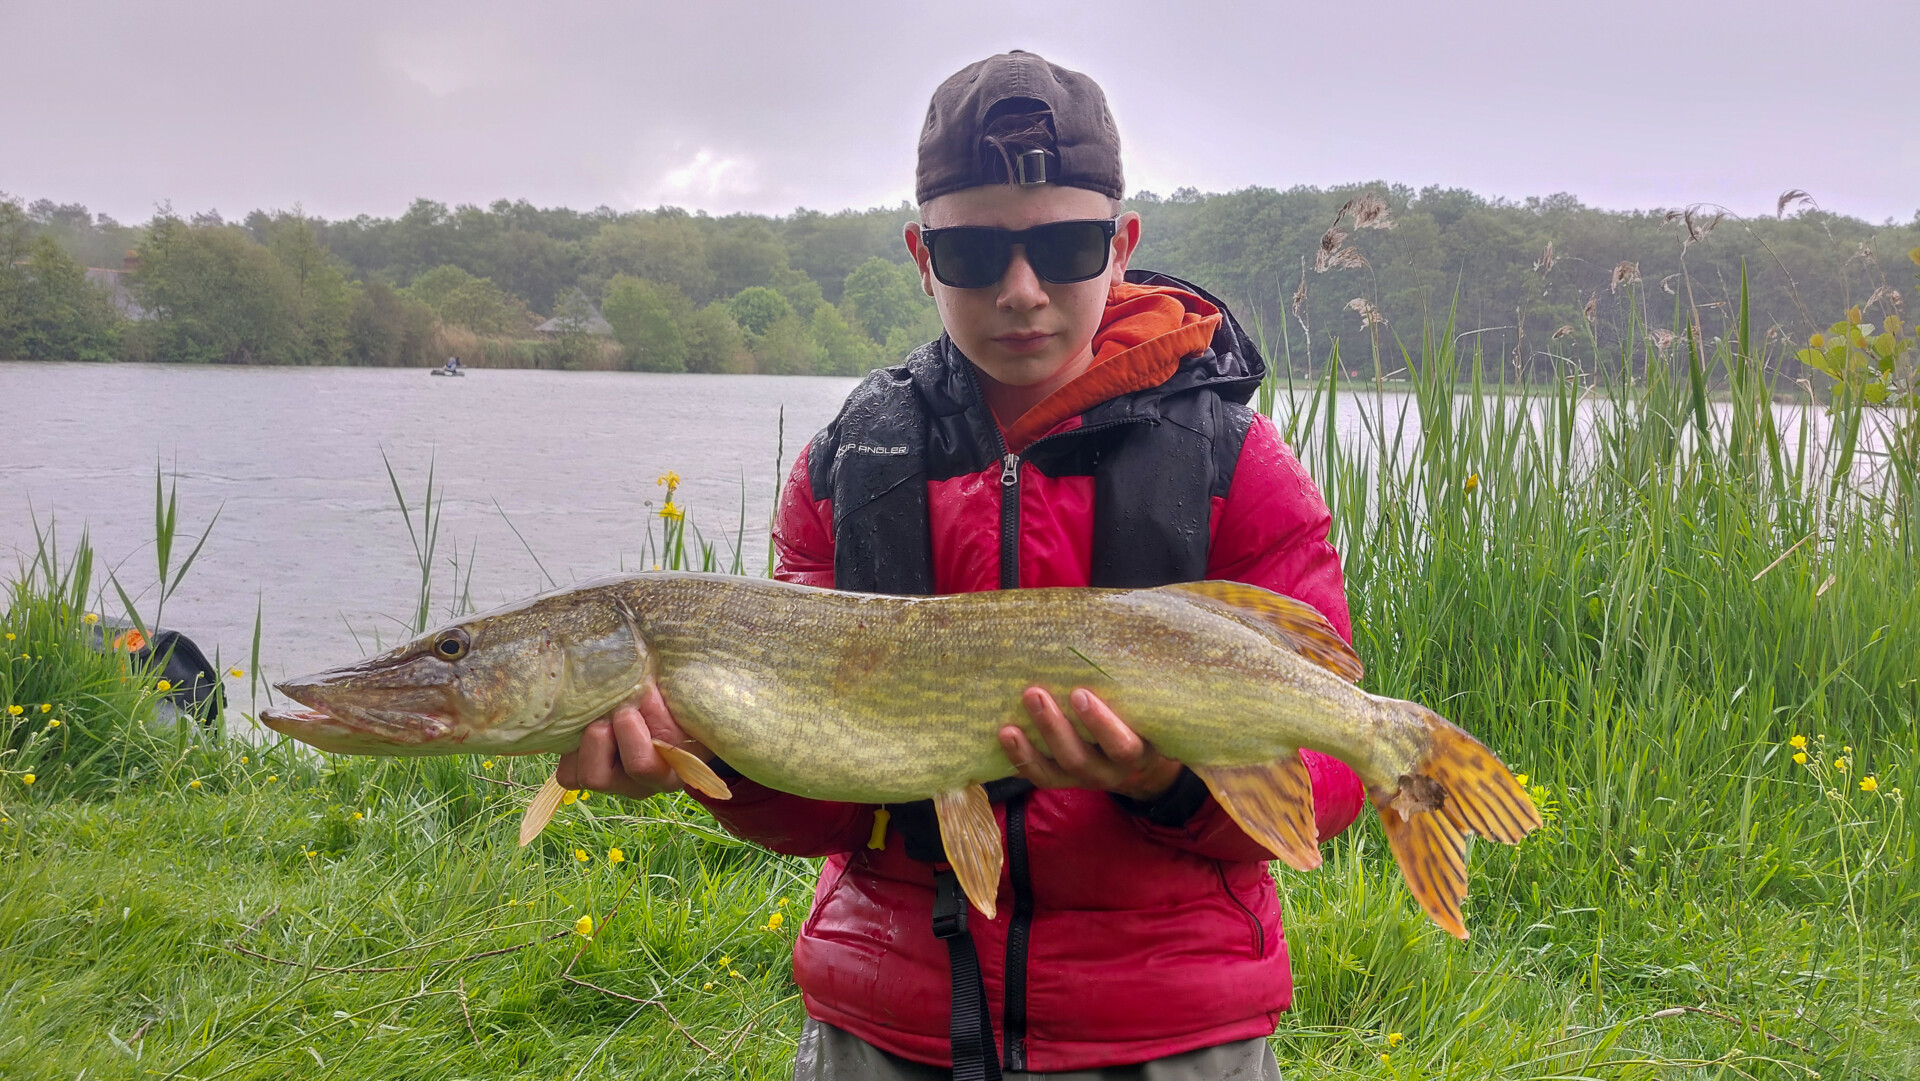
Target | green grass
(1608,606)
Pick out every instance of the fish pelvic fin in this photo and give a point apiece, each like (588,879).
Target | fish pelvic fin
(1297,623)
(1273,804)
(540,811)
(971,837)
(696,774)
(1457,788)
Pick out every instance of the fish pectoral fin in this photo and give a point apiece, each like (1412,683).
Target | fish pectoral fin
(540,811)
(697,774)
(1273,803)
(1432,854)
(1298,623)
(971,837)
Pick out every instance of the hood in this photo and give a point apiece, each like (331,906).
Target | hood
(1228,363)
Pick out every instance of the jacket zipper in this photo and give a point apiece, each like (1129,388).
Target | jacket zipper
(1019,927)
(1020,924)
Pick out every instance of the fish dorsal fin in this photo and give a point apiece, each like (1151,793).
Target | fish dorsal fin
(971,837)
(540,811)
(1297,623)
(1273,803)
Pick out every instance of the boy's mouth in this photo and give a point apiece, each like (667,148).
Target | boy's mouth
(1024,341)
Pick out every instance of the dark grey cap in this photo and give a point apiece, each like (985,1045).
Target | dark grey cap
(1079,148)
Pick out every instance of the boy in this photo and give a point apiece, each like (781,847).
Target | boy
(1076,425)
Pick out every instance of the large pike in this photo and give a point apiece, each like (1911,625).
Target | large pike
(882,699)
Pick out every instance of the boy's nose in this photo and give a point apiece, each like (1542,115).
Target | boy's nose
(1020,287)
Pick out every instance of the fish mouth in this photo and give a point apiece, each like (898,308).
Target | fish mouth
(348,714)
(359,731)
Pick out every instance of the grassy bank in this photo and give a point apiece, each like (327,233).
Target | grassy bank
(1651,615)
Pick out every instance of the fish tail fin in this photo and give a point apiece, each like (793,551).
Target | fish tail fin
(1458,787)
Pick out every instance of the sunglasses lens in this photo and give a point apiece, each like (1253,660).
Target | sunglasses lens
(1068,251)
(968,258)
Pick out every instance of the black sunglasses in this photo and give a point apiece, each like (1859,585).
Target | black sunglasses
(1061,252)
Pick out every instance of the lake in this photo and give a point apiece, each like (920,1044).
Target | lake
(308,527)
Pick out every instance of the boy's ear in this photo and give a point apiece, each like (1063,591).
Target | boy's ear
(921,260)
(1126,238)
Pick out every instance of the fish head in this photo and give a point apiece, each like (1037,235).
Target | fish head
(523,679)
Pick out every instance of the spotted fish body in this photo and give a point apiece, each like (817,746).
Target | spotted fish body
(871,698)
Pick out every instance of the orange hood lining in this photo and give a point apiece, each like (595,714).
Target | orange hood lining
(1144,334)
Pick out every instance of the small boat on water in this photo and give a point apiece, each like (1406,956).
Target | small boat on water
(449,371)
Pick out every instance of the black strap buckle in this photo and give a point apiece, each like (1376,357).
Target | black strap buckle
(949,904)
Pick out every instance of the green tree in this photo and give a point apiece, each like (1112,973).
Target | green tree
(758,309)
(715,342)
(48,309)
(743,254)
(843,350)
(786,347)
(323,299)
(462,300)
(216,295)
(800,291)
(649,322)
(387,327)
(881,297)
(664,247)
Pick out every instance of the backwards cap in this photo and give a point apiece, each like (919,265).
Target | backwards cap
(1017,119)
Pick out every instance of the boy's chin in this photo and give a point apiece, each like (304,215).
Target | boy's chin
(1021,370)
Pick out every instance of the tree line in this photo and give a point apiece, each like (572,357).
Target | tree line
(1538,282)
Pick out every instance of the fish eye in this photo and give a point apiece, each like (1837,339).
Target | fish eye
(452,645)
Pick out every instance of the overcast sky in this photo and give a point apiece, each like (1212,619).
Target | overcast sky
(358,106)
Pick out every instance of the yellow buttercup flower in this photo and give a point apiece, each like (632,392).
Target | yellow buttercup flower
(243,759)
(580,855)
(583,927)
(1473,481)
(54,723)
(16,711)
(273,777)
(9,636)
(1869,784)
(195,783)
(488,764)
(1799,758)
(236,673)
(28,778)
(614,855)
(781,903)
(1798,743)
(163,686)
(584,793)
(1840,764)
(1394,1039)
(568,796)
(357,816)
(46,707)
(90,617)
(774,921)
(1385,1058)
(1521,778)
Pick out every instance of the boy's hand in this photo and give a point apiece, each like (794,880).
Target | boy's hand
(1117,761)
(617,754)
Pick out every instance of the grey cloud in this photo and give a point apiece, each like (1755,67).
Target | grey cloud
(360,106)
